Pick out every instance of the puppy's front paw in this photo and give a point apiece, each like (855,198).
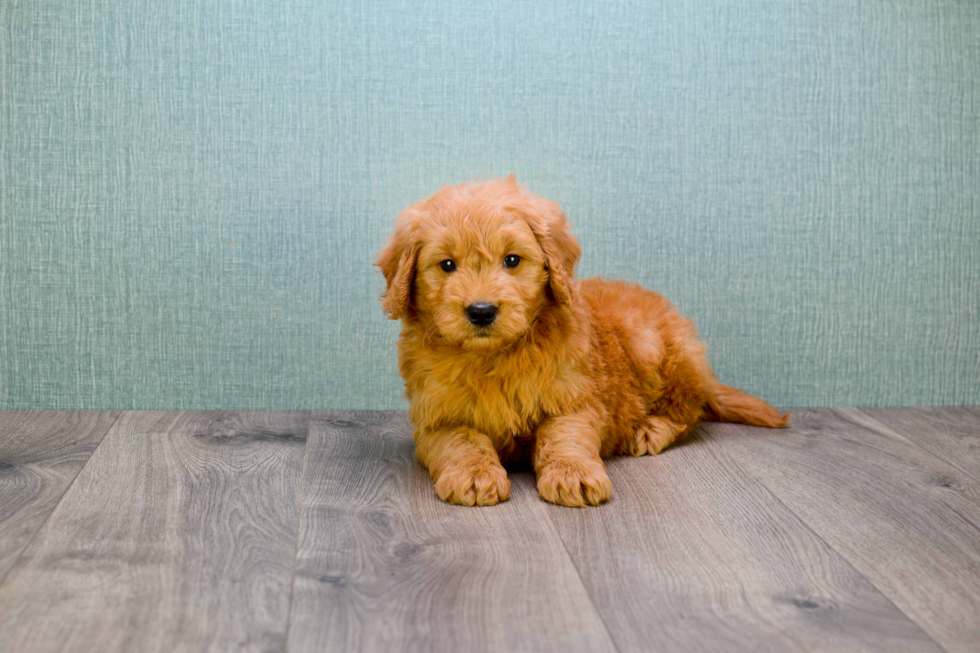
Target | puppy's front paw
(575,482)
(473,484)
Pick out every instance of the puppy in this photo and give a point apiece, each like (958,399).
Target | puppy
(507,357)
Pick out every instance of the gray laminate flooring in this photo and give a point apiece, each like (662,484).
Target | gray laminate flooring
(856,530)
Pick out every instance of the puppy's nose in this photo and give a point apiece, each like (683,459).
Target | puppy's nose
(481,314)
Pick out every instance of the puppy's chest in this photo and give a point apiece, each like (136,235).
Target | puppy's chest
(500,401)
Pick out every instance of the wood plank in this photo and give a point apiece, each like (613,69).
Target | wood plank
(41,452)
(692,554)
(179,534)
(384,565)
(905,519)
(949,433)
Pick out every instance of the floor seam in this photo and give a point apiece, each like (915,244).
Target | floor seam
(299,530)
(47,518)
(830,546)
(886,431)
(578,574)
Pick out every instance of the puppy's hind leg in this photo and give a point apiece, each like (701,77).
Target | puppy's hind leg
(675,412)
(655,435)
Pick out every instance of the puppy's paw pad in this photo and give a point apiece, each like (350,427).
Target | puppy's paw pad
(656,435)
(575,483)
(474,485)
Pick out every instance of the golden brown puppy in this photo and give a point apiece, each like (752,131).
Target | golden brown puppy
(506,356)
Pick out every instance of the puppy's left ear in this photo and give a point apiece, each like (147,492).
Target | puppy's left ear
(561,249)
(397,262)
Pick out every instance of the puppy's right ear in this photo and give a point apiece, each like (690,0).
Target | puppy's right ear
(397,262)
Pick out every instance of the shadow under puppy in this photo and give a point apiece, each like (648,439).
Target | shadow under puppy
(507,357)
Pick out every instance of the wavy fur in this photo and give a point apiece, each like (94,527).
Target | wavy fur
(569,372)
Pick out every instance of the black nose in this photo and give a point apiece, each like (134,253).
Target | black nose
(481,314)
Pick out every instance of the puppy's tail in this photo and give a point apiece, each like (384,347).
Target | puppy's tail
(727,404)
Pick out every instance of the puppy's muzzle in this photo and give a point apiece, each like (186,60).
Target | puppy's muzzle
(481,314)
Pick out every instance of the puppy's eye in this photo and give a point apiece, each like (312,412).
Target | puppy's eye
(511,260)
(448,265)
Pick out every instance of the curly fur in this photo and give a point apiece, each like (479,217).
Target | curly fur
(569,372)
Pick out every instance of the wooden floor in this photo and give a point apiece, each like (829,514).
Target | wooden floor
(193,531)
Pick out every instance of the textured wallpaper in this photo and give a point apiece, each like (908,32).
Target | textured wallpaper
(192,192)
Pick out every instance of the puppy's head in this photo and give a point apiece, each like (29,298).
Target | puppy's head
(478,262)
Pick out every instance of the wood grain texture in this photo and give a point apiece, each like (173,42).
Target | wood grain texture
(41,452)
(853,530)
(692,554)
(178,535)
(950,433)
(906,520)
(384,565)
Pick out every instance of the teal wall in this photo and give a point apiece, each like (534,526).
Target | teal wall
(193,191)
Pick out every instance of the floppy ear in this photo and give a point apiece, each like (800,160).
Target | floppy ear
(560,247)
(397,262)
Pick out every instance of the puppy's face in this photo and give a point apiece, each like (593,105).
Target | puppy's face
(480,277)
(476,263)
